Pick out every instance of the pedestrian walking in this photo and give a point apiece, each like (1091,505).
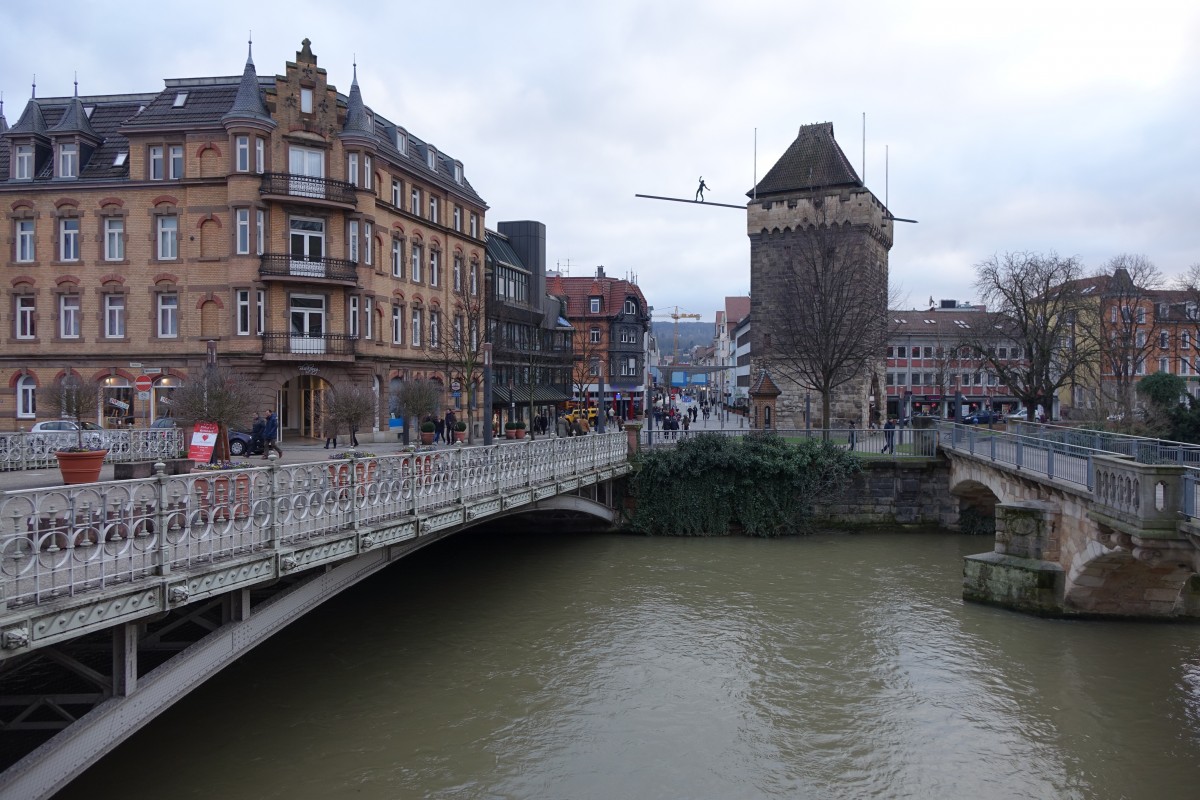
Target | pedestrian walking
(889,436)
(852,435)
(271,435)
(256,434)
(439,430)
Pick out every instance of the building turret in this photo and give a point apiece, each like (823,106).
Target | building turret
(248,106)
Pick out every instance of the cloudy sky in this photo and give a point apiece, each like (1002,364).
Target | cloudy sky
(1066,126)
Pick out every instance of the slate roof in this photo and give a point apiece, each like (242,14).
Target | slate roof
(764,386)
(75,120)
(248,102)
(500,251)
(813,161)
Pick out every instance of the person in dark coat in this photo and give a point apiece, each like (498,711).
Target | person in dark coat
(889,436)
(271,435)
(256,433)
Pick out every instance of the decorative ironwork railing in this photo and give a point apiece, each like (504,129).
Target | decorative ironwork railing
(288,266)
(36,450)
(326,344)
(870,442)
(285,183)
(68,541)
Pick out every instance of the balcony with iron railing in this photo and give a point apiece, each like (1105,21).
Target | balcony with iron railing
(319,191)
(308,347)
(281,266)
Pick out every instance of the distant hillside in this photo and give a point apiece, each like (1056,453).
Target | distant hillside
(691,333)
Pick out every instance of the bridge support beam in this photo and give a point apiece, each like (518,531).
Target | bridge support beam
(1022,573)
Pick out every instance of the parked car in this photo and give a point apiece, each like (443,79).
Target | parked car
(59,433)
(63,425)
(164,422)
(242,444)
(982,417)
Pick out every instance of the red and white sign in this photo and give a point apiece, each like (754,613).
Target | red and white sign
(204,439)
(143,383)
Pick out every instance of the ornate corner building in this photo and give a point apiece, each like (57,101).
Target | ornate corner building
(306,239)
(812,201)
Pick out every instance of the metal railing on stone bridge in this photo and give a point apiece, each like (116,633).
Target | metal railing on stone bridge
(897,443)
(1143,449)
(24,450)
(68,541)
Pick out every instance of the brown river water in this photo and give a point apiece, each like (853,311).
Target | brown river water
(512,664)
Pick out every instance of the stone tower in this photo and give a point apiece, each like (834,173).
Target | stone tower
(813,194)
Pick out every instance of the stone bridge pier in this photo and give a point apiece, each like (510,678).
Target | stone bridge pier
(1117,549)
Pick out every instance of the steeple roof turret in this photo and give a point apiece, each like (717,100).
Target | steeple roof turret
(75,120)
(357,118)
(32,121)
(248,102)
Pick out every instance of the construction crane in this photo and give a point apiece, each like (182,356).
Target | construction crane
(676,315)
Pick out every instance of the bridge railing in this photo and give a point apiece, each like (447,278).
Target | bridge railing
(1143,449)
(24,450)
(1055,459)
(70,540)
(870,442)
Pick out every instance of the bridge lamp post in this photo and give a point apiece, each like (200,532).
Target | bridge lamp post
(487,392)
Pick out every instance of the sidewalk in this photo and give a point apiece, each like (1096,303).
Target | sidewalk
(301,451)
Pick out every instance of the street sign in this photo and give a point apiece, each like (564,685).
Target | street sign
(204,438)
(143,383)
(143,395)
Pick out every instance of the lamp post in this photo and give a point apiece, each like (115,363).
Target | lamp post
(600,415)
(487,392)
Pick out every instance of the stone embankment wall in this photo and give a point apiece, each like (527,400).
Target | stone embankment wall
(888,493)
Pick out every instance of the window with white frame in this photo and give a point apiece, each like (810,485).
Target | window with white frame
(418,253)
(435,267)
(594,366)
(353,317)
(1184,367)
(1185,340)
(458,172)
(262,312)
(368,178)
(368,318)
(368,243)
(168,238)
(352,169)
(155,163)
(594,336)
(397,325)
(68,316)
(458,276)
(23,163)
(25,250)
(433,209)
(397,259)
(306,100)
(352,240)
(1164,365)
(397,193)
(114,239)
(417,318)
(26,397)
(114,316)
(241,149)
(458,218)
(431,158)
(414,202)
(401,142)
(435,328)
(260,216)
(25,317)
(175,162)
(458,332)
(474,278)
(242,304)
(474,225)
(68,161)
(168,315)
(1141,316)
(242,225)
(1164,340)
(260,155)
(68,239)
(594,305)
(1140,339)
(631,307)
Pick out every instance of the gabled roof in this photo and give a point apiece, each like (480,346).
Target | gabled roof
(813,161)
(579,290)
(736,308)
(764,386)
(75,120)
(32,120)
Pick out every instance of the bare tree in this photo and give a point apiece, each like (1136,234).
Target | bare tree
(457,351)
(589,359)
(347,408)
(1122,336)
(1035,301)
(415,400)
(835,324)
(216,395)
(73,397)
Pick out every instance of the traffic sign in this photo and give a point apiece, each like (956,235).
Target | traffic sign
(143,383)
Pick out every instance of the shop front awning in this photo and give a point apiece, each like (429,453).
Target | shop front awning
(504,395)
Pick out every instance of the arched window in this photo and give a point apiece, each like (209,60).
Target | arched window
(26,397)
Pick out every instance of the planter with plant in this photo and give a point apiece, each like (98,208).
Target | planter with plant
(514,430)
(460,431)
(428,431)
(74,398)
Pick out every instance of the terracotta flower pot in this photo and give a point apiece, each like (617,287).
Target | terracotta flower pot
(427,438)
(81,467)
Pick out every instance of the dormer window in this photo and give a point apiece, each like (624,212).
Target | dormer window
(631,307)
(431,158)
(401,142)
(306,101)
(23,163)
(68,161)
(594,305)
(458,172)
(180,99)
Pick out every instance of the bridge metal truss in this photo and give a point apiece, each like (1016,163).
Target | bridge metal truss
(118,598)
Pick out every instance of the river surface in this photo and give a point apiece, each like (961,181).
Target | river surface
(606,667)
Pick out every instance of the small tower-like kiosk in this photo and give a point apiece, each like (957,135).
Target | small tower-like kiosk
(763,394)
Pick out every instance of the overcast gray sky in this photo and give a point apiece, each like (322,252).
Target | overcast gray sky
(1069,126)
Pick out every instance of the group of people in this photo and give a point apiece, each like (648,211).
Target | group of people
(264,434)
(443,426)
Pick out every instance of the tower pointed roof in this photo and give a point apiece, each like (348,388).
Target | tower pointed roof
(3,121)
(32,120)
(813,161)
(75,120)
(357,118)
(248,102)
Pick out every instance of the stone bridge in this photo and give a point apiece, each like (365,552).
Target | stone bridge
(1079,531)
